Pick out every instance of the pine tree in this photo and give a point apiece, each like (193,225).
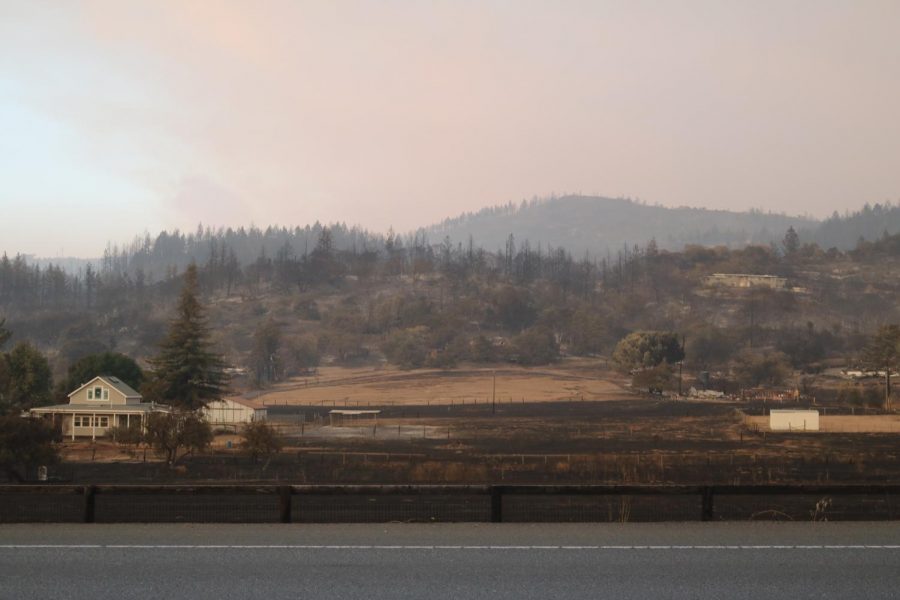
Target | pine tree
(187,373)
(5,333)
(791,242)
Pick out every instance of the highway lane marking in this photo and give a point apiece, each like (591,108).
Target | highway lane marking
(438,547)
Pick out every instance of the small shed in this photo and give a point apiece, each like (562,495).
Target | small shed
(794,420)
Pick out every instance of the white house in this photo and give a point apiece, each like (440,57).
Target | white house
(234,411)
(98,405)
(745,280)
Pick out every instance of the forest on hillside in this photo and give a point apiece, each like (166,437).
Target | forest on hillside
(597,226)
(349,298)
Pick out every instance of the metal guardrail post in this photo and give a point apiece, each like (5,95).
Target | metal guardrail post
(496,504)
(707,510)
(90,492)
(285,494)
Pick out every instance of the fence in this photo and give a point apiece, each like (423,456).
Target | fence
(459,503)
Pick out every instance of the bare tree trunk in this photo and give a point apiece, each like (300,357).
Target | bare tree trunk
(887,388)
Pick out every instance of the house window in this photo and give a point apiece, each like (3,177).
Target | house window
(105,394)
(90,394)
(86,421)
(98,393)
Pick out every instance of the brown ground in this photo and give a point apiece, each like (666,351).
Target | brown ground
(431,430)
(574,379)
(100,451)
(842,423)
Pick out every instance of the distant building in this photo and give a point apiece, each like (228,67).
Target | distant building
(97,406)
(234,411)
(744,280)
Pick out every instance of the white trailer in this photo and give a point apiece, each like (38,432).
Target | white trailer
(794,420)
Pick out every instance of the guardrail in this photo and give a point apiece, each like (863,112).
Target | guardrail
(488,503)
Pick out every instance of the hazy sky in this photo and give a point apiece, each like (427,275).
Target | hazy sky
(120,117)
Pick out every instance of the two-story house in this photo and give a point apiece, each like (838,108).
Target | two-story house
(98,405)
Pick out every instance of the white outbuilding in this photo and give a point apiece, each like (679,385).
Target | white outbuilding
(234,411)
(794,420)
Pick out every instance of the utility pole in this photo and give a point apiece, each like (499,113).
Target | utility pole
(494,395)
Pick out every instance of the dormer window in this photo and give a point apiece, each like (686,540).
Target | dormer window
(98,393)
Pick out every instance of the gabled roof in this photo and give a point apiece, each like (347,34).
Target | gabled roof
(113,382)
(255,404)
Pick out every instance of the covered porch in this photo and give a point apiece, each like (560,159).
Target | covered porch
(76,421)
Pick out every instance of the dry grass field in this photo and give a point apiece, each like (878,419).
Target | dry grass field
(587,380)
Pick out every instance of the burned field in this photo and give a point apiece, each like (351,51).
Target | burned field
(637,440)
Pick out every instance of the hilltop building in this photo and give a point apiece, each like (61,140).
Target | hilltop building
(744,280)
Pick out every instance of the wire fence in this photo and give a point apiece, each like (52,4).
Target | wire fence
(461,503)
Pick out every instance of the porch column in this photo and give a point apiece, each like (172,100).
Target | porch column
(72,425)
(93,427)
(128,421)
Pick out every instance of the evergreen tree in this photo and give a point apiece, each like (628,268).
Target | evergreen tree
(791,242)
(5,333)
(187,373)
(25,379)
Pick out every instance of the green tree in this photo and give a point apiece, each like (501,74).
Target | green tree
(883,353)
(512,308)
(299,354)
(406,348)
(536,346)
(261,439)
(105,363)
(130,435)
(481,350)
(659,377)
(753,369)
(187,373)
(25,379)
(708,346)
(588,332)
(264,358)
(175,435)
(647,349)
(26,443)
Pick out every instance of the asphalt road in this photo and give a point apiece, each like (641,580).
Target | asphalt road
(697,560)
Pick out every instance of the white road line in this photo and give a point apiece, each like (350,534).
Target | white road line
(426,547)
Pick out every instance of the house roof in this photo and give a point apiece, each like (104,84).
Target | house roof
(113,382)
(242,401)
(104,407)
